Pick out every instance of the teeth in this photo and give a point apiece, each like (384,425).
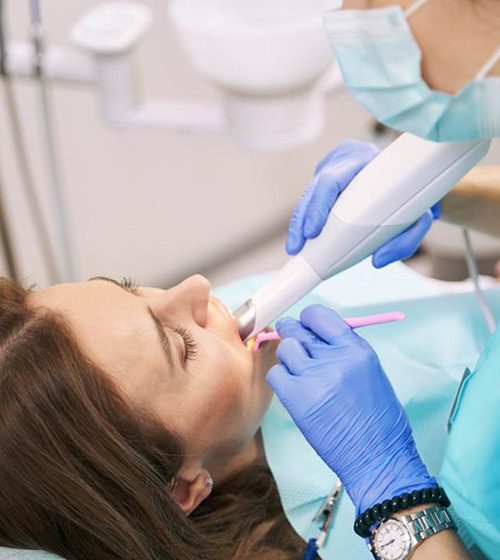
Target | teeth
(251,344)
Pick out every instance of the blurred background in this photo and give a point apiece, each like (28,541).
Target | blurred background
(157,205)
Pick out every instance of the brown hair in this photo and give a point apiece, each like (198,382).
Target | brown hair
(85,475)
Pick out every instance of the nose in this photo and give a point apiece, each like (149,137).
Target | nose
(189,298)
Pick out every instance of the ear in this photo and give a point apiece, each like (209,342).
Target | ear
(192,487)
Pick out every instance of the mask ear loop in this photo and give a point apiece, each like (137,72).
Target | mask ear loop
(414,7)
(490,63)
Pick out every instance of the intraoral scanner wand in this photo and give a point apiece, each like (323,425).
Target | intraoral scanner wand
(384,199)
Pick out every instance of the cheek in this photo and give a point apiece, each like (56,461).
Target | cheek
(226,383)
(223,398)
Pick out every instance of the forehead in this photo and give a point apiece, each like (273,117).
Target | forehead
(92,304)
(111,326)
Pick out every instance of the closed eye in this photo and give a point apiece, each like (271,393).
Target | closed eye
(129,284)
(190,347)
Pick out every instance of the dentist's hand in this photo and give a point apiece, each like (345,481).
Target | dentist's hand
(333,175)
(332,384)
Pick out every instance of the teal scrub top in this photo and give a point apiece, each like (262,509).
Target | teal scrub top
(471,467)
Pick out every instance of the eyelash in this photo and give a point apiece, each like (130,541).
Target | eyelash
(129,284)
(189,342)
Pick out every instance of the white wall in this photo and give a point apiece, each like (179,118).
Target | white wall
(153,205)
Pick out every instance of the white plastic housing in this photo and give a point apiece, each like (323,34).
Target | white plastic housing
(384,199)
(267,69)
(295,279)
(387,197)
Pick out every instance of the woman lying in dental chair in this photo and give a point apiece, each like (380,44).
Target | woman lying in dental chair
(129,425)
(129,417)
(129,422)
(129,428)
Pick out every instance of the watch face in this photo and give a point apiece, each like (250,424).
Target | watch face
(392,540)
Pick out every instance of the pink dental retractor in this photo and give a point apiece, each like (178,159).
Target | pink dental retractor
(354,323)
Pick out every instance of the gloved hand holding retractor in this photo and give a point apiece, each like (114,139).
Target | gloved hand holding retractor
(333,175)
(331,382)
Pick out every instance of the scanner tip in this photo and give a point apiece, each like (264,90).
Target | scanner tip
(245,319)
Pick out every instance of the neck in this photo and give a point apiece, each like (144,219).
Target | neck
(488,11)
(491,5)
(223,468)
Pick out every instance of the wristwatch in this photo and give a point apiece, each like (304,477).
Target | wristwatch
(398,536)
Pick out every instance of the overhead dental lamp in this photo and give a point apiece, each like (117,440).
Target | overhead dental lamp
(269,59)
(266,57)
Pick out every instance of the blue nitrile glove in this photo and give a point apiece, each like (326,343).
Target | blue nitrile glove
(333,175)
(331,382)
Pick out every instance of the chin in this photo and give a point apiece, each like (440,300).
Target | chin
(266,356)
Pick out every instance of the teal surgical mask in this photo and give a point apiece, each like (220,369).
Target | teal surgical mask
(380,60)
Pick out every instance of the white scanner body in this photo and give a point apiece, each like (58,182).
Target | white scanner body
(384,199)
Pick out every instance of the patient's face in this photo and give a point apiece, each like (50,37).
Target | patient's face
(176,352)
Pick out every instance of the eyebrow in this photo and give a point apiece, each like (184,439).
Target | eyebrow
(165,341)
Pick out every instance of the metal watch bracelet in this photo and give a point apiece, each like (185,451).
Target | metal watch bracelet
(398,536)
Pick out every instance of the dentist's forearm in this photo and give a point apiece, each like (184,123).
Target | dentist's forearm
(445,546)
(475,202)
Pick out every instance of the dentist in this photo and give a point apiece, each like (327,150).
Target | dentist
(430,67)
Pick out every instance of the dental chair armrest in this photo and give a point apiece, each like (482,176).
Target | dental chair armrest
(474,203)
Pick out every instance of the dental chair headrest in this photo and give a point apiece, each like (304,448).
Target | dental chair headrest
(16,554)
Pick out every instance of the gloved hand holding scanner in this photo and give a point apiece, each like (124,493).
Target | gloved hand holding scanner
(331,382)
(333,174)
